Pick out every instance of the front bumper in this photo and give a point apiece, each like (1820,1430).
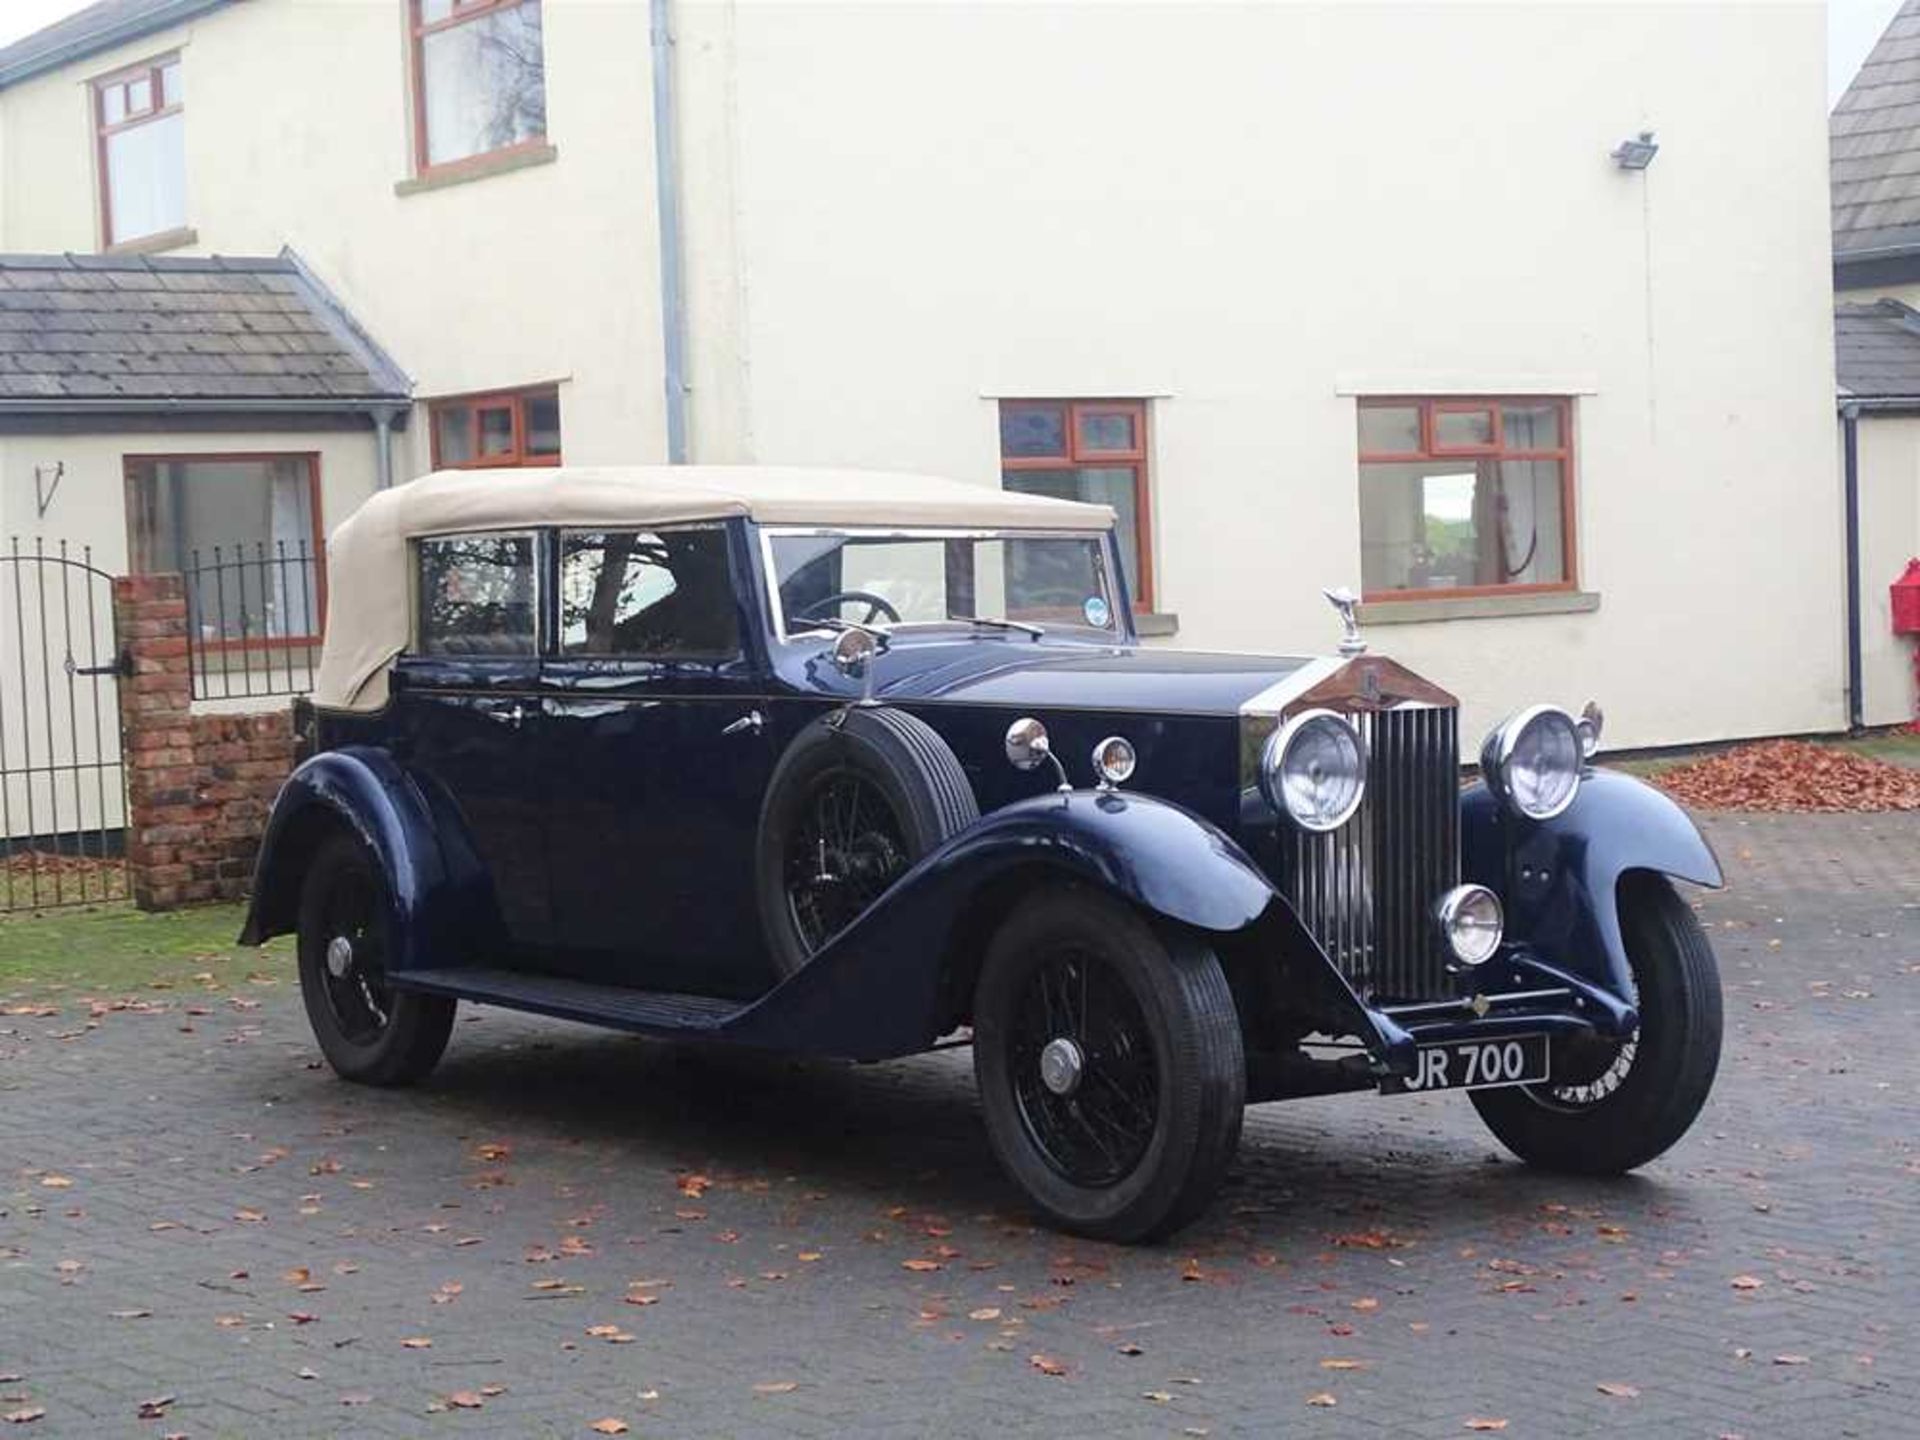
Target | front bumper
(1515,993)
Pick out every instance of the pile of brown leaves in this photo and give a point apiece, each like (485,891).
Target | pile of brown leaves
(1792,775)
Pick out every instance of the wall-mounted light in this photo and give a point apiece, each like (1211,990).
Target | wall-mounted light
(1635,154)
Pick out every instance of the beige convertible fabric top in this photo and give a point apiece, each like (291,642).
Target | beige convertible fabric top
(368,568)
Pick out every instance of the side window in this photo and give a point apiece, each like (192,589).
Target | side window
(477,595)
(647,593)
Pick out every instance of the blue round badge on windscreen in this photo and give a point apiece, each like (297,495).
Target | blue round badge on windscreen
(1096,612)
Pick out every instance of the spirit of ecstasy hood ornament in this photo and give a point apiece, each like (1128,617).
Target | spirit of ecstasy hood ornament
(1346,603)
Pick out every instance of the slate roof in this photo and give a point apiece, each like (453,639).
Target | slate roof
(1874,137)
(92,30)
(87,332)
(1877,350)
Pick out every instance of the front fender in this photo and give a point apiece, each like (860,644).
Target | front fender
(439,902)
(877,989)
(1559,879)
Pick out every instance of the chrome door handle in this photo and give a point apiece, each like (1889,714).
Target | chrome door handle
(514,717)
(753,720)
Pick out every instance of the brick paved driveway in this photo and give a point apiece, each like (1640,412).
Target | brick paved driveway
(191,1207)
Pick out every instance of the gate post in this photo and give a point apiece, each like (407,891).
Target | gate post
(165,813)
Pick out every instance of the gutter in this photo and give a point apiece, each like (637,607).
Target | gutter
(371,405)
(159,16)
(1850,423)
(666,180)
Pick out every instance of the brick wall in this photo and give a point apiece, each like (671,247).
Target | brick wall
(198,786)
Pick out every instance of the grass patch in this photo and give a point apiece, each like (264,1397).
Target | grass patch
(1893,747)
(117,948)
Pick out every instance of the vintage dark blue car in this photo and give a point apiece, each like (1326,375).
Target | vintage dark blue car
(850,764)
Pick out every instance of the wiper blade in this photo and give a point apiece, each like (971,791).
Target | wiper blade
(995,622)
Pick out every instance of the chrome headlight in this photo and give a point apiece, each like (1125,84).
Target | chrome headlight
(1532,761)
(1314,770)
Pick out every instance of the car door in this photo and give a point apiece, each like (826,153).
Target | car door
(659,755)
(467,713)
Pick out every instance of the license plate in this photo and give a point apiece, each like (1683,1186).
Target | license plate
(1479,1064)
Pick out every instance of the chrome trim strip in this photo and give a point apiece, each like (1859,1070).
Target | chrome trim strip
(1276,697)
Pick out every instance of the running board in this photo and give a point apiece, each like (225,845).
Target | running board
(648,1012)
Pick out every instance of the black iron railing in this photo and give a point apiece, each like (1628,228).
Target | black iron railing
(253,619)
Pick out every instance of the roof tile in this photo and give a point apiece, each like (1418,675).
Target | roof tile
(194,329)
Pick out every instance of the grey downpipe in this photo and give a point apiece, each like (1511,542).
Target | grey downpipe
(666,179)
(383,449)
(1856,709)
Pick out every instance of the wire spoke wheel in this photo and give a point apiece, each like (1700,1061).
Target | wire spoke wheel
(847,846)
(1082,1063)
(1591,1078)
(355,959)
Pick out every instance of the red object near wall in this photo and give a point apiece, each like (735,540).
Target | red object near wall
(1906,601)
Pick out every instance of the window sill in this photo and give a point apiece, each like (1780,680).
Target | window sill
(1478,607)
(1155,624)
(480,167)
(154,244)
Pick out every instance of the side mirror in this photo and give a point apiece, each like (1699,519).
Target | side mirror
(1028,749)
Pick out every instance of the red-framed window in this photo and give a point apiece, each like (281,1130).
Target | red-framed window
(245,529)
(1466,496)
(479,79)
(1093,450)
(500,428)
(140,150)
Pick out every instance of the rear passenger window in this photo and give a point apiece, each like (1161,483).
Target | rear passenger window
(477,595)
(647,593)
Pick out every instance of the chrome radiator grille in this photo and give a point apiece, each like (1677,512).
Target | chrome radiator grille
(1367,890)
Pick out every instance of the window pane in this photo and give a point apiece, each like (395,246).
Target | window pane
(1032,430)
(453,433)
(147,178)
(140,95)
(1114,485)
(647,594)
(543,424)
(113,104)
(496,430)
(477,595)
(1440,524)
(242,531)
(1457,429)
(1107,430)
(170,83)
(1530,427)
(1390,430)
(432,10)
(485,88)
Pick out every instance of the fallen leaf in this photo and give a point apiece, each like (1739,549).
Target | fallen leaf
(1158,1397)
(921,1265)
(1343,1364)
(776,1387)
(130,1314)
(1130,1348)
(608,1426)
(156,1408)
(990,1312)
(809,1256)
(1478,1424)
(356,1397)
(416,1342)
(694,1186)
(1047,1365)
(56,1182)
(1747,1282)
(23,1417)
(249,1217)
(465,1400)
(1790,1360)
(1323,1400)
(1619,1389)
(493,1151)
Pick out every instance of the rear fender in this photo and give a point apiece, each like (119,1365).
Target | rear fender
(439,901)
(1559,879)
(880,987)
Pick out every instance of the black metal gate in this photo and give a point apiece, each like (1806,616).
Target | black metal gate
(63,802)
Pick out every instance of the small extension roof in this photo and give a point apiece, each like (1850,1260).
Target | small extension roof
(1877,352)
(81,333)
(1874,138)
(369,572)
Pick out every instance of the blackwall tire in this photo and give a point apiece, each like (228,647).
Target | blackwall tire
(369,1033)
(1172,991)
(897,761)
(1669,1073)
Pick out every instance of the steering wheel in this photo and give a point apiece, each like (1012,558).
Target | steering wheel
(876,605)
